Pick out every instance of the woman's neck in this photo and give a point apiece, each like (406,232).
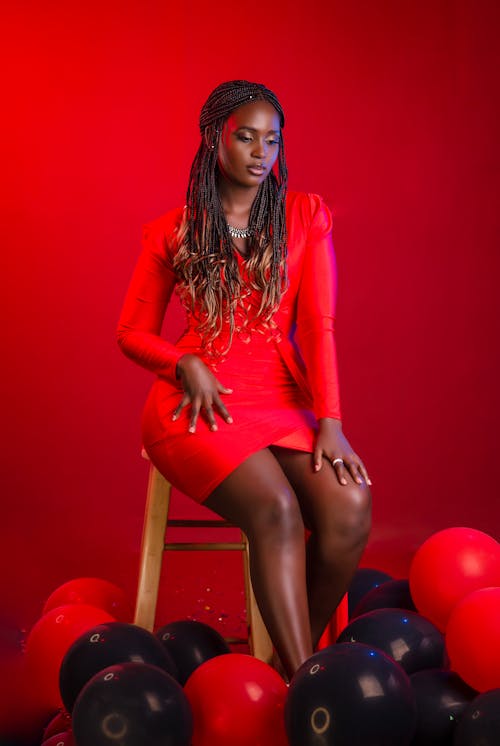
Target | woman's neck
(236,201)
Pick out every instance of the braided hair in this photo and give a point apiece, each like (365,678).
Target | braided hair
(206,264)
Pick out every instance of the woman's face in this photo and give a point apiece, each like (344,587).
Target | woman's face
(249,144)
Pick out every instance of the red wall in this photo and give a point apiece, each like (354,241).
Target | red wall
(391,115)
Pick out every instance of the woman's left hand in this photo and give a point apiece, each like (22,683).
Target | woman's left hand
(332,445)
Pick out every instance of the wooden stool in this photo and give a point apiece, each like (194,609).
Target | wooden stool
(154,545)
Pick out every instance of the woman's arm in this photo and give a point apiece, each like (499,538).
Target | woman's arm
(316,300)
(139,334)
(145,304)
(315,336)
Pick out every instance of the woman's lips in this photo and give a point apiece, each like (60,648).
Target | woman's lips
(256,170)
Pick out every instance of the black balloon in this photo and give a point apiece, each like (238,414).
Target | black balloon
(190,644)
(441,698)
(350,695)
(103,646)
(132,704)
(480,722)
(410,639)
(364,580)
(394,594)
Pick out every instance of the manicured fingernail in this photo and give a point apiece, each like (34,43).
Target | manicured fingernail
(359,480)
(174,417)
(343,481)
(191,430)
(229,419)
(213,428)
(369,481)
(316,467)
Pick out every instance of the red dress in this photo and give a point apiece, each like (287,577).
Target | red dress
(281,383)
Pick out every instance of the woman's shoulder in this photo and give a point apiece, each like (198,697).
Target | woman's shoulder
(308,209)
(160,236)
(166,224)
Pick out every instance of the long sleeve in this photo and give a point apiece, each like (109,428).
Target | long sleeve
(149,292)
(316,312)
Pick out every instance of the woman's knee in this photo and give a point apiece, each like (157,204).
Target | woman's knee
(359,500)
(349,522)
(277,514)
(356,513)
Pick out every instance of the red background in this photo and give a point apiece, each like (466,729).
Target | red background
(392,115)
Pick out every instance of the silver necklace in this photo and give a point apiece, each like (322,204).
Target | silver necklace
(239,232)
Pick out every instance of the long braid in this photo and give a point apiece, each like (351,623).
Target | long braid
(210,283)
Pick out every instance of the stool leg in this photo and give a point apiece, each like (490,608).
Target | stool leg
(260,643)
(153,542)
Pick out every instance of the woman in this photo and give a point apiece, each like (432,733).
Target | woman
(244,415)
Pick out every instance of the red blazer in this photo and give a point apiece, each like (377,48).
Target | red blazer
(305,317)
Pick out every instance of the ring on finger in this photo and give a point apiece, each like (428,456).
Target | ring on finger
(337,461)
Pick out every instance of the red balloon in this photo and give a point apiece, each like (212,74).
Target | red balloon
(60,739)
(61,723)
(448,566)
(237,699)
(49,641)
(93,592)
(473,639)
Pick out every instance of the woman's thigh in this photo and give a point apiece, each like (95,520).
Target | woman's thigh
(257,494)
(326,504)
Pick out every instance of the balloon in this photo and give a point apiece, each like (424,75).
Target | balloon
(448,566)
(48,642)
(132,704)
(441,698)
(60,739)
(190,644)
(103,646)
(94,592)
(473,639)
(350,695)
(364,580)
(237,699)
(393,594)
(60,723)
(412,641)
(480,723)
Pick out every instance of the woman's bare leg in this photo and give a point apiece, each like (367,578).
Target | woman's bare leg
(259,499)
(339,518)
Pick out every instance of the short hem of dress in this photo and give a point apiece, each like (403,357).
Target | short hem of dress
(216,482)
(200,498)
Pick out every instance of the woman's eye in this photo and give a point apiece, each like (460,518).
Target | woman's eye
(248,138)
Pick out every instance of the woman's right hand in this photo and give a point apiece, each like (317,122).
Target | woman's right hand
(201,390)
